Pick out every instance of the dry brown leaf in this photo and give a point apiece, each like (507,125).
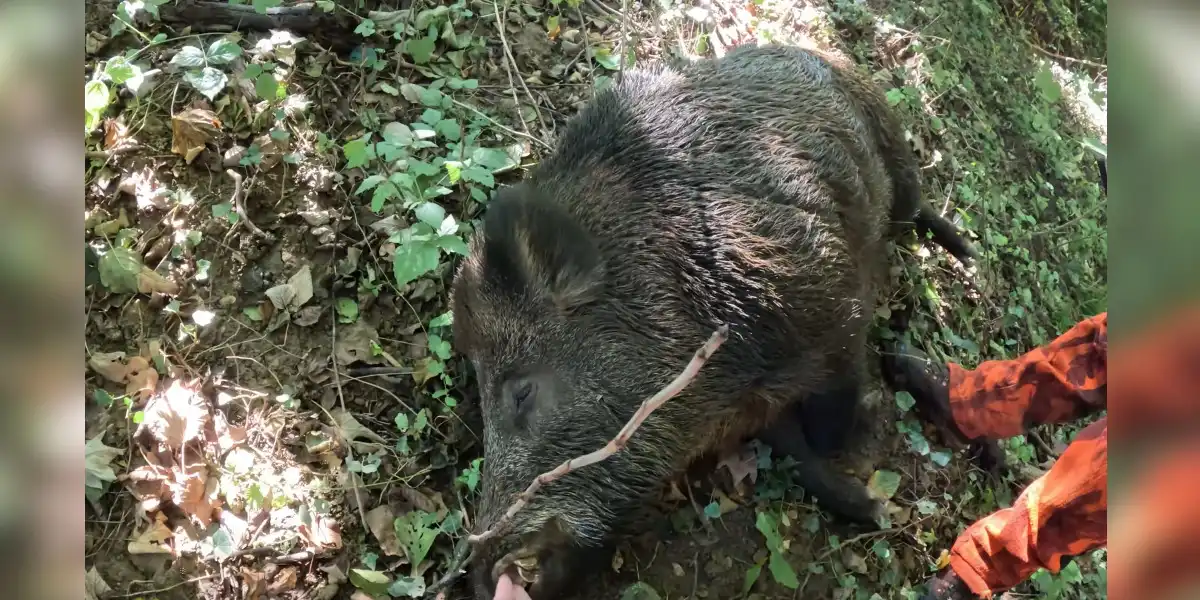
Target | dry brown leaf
(255,583)
(109,365)
(145,186)
(228,436)
(115,132)
(190,130)
(382,523)
(150,282)
(178,415)
(285,581)
(141,378)
(324,533)
(943,559)
(152,540)
(742,464)
(110,228)
(197,494)
(272,151)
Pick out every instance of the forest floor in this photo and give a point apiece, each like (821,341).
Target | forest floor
(275,405)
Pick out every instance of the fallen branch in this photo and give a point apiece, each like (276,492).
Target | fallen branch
(465,550)
(619,442)
(240,208)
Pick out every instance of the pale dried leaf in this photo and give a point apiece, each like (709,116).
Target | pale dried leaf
(141,378)
(115,133)
(382,523)
(178,415)
(285,581)
(350,429)
(109,365)
(150,282)
(144,548)
(308,316)
(94,586)
(742,464)
(156,533)
(190,130)
(354,344)
(228,436)
(322,534)
(272,151)
(254,584)
(302,283)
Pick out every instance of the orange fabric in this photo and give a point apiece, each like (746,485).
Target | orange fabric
(1061,381)
(1065,511)
(1061,514)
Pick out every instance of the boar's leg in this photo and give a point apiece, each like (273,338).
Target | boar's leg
(839,494)
(827,418)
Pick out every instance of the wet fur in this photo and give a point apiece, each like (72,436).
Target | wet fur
(757,191)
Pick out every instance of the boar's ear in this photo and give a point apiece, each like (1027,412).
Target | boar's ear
(534,245)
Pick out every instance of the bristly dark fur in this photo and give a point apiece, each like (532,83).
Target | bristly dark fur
(758,191)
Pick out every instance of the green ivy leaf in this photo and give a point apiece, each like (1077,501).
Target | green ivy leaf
(430,213)
(369,184)
(940,458)
(386,191)
(347,310)
(366,28)
(410,587)
(450,129)
(412,260)
(119,269)
(266,86)
(431,116)
(223,51)
(782,572)
(443,320)
(372,582)
(905,401)
(189,57)
(208,81)
(356,153)
(453,244)
(640,591)
(884,484)
(439,347)
(421,49)
(751,576)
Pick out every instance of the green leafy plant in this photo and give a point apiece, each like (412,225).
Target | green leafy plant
(199,65)
(768,525)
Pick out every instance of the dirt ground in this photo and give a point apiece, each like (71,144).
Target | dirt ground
(236,254)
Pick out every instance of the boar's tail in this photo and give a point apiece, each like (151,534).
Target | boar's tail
(945,234)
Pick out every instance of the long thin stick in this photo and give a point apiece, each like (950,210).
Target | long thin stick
(619,442)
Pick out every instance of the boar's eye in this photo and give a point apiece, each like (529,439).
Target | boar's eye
(520,391)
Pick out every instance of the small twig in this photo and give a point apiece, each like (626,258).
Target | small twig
(337,382)
(617,443)
(1085,62)
(240,208)
(500,126)
(511,66)
(165,589)
(463,554)
(370,371)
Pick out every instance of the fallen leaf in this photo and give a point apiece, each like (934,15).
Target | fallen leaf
(146,188)
(382,523)
(854,562)
(141,378)
(115,132)
(109,365)
(228,436)
(199,494)
(350,429)
(285,581)
(883,484)
(742,464)
(308,316)
(94,586)
(321,534)
(254,584)
(178,415)
(99,472)
(272,151)
(143,548)
(110,228)
(354,344)
(943,560)
(190,131)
